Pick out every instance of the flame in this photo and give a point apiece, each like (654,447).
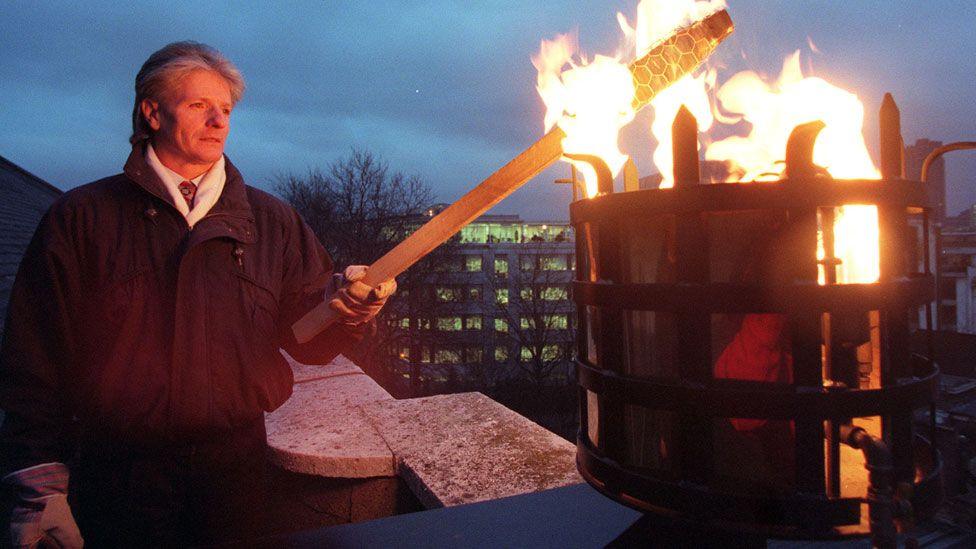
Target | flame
(590,101)
(857,245)
(690,91)
(773,110)
(658,19)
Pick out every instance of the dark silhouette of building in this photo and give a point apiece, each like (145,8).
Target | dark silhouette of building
(25,199)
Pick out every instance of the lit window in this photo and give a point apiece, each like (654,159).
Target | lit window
(405,322)
(501,233)
(472,323)
(501,265)
(556,322)
(474,233)
(525,293)
(553,263)
(472,263)
(446,294)
(553,293)
(552,352)
(527,322)
(474,293)
(501,354)
(447,356)
(448,323)
(501,296)
(501,325)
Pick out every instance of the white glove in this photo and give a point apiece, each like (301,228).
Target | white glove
(41,513)
(356,302)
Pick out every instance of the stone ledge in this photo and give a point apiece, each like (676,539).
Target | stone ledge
(449,449)
(464,448)
(321,429)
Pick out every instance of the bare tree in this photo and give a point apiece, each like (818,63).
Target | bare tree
(540,315)
(359,209)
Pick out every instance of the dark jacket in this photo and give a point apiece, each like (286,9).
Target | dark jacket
(126,327)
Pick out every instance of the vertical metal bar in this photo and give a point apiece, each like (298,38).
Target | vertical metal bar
(895,350)
(930,329)
(574,177)
(694,327)
(832,355)
(938,279)
(806,337)
(806,328)
(583,266)
(608,323)
(609,334)
(927,269)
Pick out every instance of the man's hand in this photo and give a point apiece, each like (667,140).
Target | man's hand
(41,513)
(356,302)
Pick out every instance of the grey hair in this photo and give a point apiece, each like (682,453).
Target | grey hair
(167,66)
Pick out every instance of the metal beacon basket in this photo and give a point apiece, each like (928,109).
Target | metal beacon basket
(728,379)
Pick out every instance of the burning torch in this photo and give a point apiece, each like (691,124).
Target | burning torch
(662,66)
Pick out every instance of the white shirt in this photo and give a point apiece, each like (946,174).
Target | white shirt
(209,186)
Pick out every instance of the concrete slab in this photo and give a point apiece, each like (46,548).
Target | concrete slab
(321,430)
(464,448)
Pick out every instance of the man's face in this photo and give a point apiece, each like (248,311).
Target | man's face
(191,122)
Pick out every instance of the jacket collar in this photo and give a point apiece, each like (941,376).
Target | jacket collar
(230,217)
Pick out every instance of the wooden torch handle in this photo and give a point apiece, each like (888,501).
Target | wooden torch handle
(441,227)
(664,65)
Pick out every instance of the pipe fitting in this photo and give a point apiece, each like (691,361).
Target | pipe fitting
(880,496)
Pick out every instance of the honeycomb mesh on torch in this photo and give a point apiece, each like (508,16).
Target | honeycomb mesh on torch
(677,56)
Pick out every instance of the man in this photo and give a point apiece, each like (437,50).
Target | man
(142,343)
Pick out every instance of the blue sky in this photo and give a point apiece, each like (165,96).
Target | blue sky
(444,90)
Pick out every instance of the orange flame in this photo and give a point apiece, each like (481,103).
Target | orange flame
(690,91)
(590,101)
(773,110)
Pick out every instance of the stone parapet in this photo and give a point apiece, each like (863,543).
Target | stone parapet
(322,430)
(464,448)
(448,449)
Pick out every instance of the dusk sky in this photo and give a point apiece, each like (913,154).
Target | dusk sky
(443,90)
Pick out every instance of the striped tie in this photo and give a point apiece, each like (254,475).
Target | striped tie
(188,190)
